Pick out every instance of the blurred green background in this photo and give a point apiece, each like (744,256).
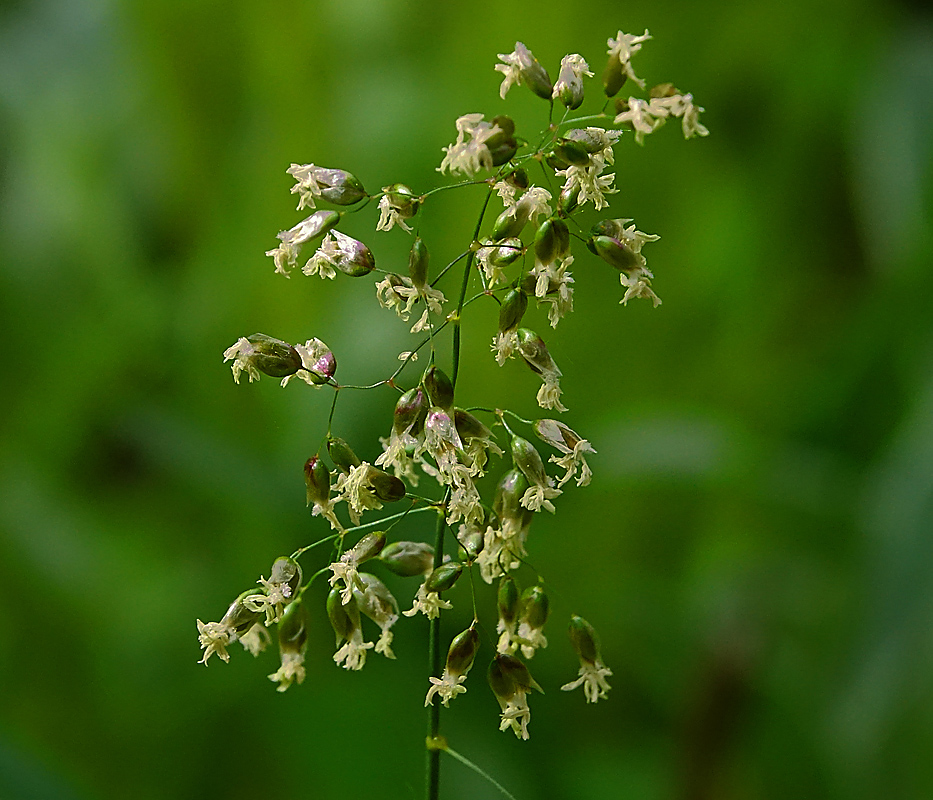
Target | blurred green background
(756,548)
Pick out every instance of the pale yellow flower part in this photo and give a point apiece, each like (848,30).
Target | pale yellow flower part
(511,67)
(531,205)
(379,604)
(647,116)
(593,680)
(428,603)
(447,687)
(624,46)
(506,192)
(326,510)
(530,639)
(355,488)
(495,274)
(311,353)
(591,185)
(345,571)
(396,455)
(214,638)
(353,653)
(504,345)
(549,394)
(641,117)
(572,445)
(638,285)
(241,353)
(286,254)
(307,187)
(507,642)
(516,714)
(572,70)
(471,155)
(389,215)
(553,286)
(537,497)
(398,293)
(325,259)
(256,639)
(291,671)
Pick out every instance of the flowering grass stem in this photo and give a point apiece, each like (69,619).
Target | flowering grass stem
(435,654)
(435,665)
(449,443)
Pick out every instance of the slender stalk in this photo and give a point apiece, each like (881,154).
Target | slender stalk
(435,654)
(435,659)
(383,520)
(307,547)
(588,118)
(466,762)
(330,418)
(311,580)
(463,290)
(443,272)
(425,341)
(452,186)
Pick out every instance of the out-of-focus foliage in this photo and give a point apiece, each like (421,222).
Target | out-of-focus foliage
(756,548)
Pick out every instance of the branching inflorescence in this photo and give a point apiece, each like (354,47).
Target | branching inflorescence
(524,255)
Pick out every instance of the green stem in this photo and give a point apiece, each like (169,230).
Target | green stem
(473,595)
(435,659)
(452,186)
(479,771)
(311,580)
(588,118)
(435,654)
(502,411)
(425,341)
(443,272)
(301,550)
(388,519)
(463,290)
(333,407)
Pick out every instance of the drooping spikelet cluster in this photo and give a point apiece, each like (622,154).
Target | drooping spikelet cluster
(523,255)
